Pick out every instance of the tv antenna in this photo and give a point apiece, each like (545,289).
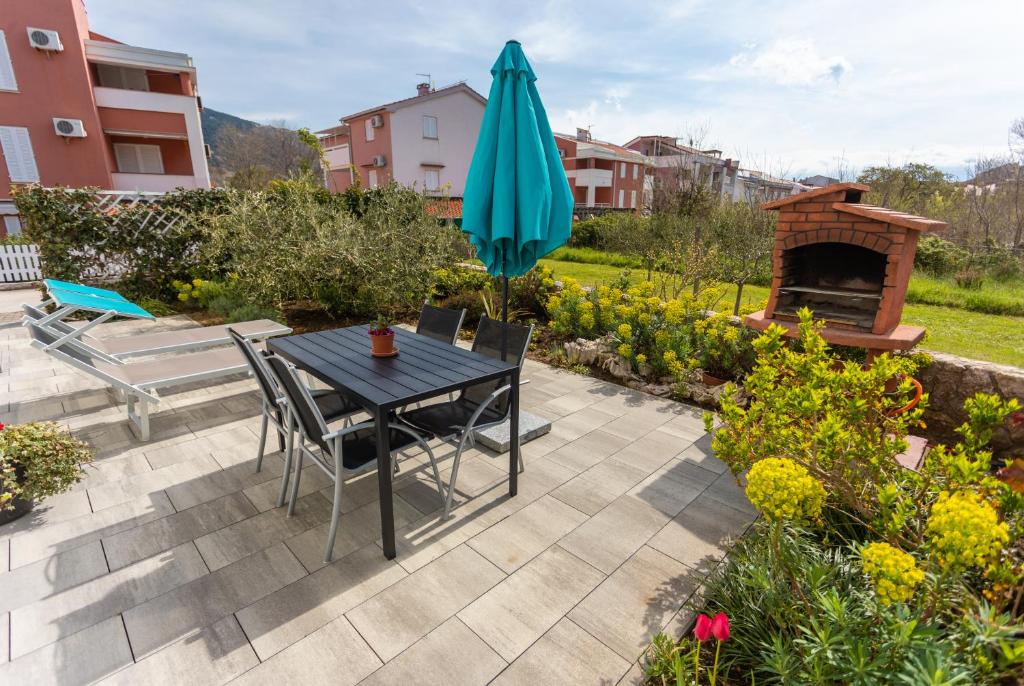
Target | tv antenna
(430,81)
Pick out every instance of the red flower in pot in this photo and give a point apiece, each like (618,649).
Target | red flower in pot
(382,337)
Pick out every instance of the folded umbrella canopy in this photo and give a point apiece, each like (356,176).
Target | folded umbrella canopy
(518,205)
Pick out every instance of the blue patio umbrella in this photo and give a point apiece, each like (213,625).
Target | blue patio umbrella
(517,205)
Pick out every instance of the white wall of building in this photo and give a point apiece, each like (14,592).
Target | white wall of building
(458,125)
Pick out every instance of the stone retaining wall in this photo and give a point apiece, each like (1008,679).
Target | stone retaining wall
(950,380)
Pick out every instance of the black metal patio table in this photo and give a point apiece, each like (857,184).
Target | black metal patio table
(424,368)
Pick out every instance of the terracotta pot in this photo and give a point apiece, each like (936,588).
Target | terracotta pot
(709,380)
(383,343)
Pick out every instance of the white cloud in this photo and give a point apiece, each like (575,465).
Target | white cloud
(784,62)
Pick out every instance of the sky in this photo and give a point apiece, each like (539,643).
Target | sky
(788,88)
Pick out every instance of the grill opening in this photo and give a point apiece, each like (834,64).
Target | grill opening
(842,283)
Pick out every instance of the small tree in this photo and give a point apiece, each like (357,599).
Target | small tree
(744,235)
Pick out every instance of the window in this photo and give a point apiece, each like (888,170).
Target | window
(17,149)
(7,80)
(138,159)
(432,180)
(561,153)
(622,198)
(372,178)
(13,225)
(125,78)
(370,133)
(622,170)
(636,170)
(429,126)
(632,199)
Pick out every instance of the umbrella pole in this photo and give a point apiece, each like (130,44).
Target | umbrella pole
(504,311)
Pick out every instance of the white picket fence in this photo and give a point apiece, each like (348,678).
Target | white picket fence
(19,263)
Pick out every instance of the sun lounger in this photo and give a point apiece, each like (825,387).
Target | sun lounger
(139,381)
(180,340)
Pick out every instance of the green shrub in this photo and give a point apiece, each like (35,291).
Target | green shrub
(592,256)
(971,279)
(156,307)
(245,313)
(37,460)
(939,257)
(1002,264)
(451,280)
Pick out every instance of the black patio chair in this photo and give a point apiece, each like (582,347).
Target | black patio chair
(440,323)
(478,407)
(341,454)
(331,405)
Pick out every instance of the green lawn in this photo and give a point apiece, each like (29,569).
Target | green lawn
(995,338)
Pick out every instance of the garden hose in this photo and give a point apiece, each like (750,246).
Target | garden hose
(918,392)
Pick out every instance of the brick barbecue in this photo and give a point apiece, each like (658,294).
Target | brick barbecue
(848,262)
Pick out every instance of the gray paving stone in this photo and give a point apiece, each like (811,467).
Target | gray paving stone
(220,482)
(451,655)
(610,537)
(513,614)
(181,473)
(51,575)
(576,657)
(498,438)
(5,554)
(726,490)
(592,490)
(700,453)
(264,495)
(408,610)
(577,424)
(704,531)
(214,654)
(333,654)
(588,450)
(166,619)
(37,545)
(79,658)
(53,618)
(224,546)
(673,487)
(297,610)
(149,539)
(5,637)
(637,601)
(516,540)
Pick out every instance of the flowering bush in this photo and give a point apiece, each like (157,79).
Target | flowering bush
(721,347)
(37,460)
(894,572)
(783,490)
(964,531)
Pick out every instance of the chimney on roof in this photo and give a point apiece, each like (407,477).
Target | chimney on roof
(583,135)
(422,89)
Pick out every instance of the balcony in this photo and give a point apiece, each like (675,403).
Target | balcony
(597,178)
(161,183)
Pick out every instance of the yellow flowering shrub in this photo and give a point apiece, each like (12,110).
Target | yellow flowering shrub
(895,573)
(964,531)
(783,490)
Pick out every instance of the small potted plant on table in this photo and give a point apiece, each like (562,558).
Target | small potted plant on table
(382,337)
(37,460)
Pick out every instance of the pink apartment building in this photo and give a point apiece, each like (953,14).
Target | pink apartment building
(425,141)
(602,175)
(80,109)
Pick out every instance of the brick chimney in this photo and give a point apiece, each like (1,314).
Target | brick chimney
(422,89)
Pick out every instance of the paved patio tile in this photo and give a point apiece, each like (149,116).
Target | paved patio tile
(5,554)
(212,655)
(334,654)
(637,601)
(51,575)
(700,453)
(37,544)
(53,618)
(726,490)
(577,424)
(148,539)
(80,658)
(592,490)
(53,510)
(5,637)
(673,487)
(117,492)
(220,482)
(451,655)
(516,612)
(588,450)
(611,536)
(567,653)
(264,495)
(514,541)
(230,544)
(297,610)
(637,423)
(408,610)
(355,529)
(163,620)
(703,531)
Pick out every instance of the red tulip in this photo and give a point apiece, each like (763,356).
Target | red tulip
(720,627)
(1,426)
(702,630)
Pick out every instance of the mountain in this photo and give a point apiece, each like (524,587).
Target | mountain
(213,122)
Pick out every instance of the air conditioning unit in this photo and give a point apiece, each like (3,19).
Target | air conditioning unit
(68,128)
(208,151)
(44,39)
(377,121)
(379,160)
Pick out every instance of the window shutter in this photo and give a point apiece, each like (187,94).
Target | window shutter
(150,161)
(17,149)
(127,161)
(135,79)
(7,80)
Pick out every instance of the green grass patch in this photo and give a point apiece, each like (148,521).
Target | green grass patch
(592,256)
(978,335)
(1006,298)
